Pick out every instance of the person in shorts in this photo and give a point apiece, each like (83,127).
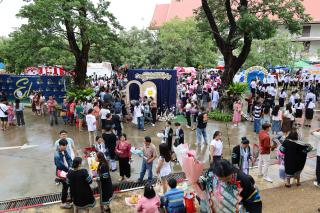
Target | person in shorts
(3,115)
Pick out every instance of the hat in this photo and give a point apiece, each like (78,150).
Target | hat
(244,140)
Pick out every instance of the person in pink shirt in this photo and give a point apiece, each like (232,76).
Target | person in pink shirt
(10,114)
(52,109)
(150,202)
(71,111)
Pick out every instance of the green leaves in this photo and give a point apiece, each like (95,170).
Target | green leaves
(80,94)
(279,50)
(217,115)
(238,88)
(182,44)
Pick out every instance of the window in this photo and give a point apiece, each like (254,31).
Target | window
(306,31)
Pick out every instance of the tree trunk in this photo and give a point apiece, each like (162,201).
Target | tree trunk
(80,72)
(229,68)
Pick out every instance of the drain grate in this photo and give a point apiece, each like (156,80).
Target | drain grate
(42,200)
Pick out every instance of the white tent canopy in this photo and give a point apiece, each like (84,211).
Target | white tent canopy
(99,69)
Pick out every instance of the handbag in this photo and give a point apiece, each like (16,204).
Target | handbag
(63,114)
(62,174)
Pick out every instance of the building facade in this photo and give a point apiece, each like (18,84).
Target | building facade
(183,9)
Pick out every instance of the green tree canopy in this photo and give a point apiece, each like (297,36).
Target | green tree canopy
(29,48)
(139,48)
(234,24)
(72,25)
(181,44)
(279,50)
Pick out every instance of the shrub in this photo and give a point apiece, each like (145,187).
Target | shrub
(82,94)
(220,116)
(238,88)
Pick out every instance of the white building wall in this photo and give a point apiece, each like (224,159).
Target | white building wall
(313,51)
(315,30)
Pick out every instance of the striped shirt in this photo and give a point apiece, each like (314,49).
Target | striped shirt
(257,112)
(174,201)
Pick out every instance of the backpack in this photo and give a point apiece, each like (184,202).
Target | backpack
(118,107)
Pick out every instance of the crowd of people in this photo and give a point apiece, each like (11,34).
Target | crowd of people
(277,109)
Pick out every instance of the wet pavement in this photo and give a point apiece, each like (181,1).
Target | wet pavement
(30,172)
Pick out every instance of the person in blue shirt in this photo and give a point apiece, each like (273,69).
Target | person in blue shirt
(173,199)
(63,162)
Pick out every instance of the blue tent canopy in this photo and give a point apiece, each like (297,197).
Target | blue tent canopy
(2,66)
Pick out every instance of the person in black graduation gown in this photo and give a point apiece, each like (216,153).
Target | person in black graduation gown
(110,140)
(104,183)
(179,135)
(79,181)
(295,155)
(168,134)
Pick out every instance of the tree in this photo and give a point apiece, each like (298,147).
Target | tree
(182,44)
(279,50)
(80,23)
(139,48)
(27,47)
(235,23)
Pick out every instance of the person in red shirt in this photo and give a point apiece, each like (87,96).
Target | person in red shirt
(72,108)
(265,149)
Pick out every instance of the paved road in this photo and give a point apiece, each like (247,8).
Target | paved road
(30,172)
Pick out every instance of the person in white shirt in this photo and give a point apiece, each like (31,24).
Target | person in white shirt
(286,82)
(310,95)
(215,98)
(282,98)
(292,98)
(137,111)
(3,115)
(194,97)
(103,115)
(253,86)
(216,147)
(299,107)
(92,127)
(188,113)
(316,133)
(272,92)
(281,80)
(310,106)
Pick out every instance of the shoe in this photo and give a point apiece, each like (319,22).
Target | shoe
(139,181)
(121,179)
(267,179)
(316,184)
(65,206)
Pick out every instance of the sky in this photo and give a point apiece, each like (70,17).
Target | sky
(128,12)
